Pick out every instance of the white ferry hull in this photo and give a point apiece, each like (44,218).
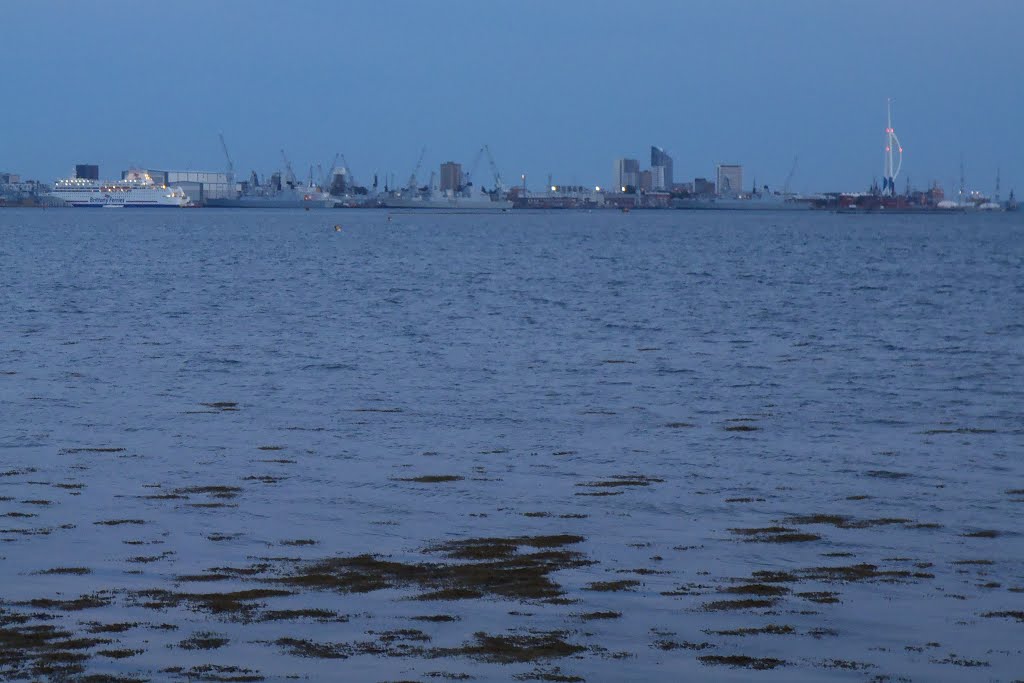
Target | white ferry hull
(114,204)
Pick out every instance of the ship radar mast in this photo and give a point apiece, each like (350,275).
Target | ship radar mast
(893,154)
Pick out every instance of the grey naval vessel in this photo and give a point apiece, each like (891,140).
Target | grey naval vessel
(448,200)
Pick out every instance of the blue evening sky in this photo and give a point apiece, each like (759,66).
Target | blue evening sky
(553,87)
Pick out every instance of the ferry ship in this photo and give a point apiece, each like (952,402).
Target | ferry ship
(136,190)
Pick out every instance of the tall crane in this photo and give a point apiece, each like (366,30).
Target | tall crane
(416,170)
(498,185)
(350,178)
(289,173)
(326,180)
(789,178)
(476,163)
(231,165)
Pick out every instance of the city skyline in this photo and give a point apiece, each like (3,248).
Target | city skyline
(543,87)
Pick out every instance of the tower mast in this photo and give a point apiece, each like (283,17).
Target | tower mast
(892,147)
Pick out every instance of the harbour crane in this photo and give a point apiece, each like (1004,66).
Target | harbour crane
(789,178)
(289,173)
(498,185)
(227,155)
(476,163)
(350,179)
(416,170)
(485,150)
(326,181)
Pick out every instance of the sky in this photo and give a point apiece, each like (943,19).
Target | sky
(561,88)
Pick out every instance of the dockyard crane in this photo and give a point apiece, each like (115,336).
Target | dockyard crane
(416,170)
(498,185)
(789,178)
(329,178)
(476,163)
(289,173)
(351,179)
(227,155)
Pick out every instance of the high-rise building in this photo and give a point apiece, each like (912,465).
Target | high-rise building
(730,179)
(627,174)
(659,158)
(658,183)
(646,181)
(451,176)
(87,171)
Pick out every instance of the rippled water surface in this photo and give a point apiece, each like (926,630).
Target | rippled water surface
(555,446)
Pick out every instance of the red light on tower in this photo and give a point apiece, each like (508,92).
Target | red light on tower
(892,143)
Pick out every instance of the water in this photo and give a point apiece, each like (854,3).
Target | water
(853,383)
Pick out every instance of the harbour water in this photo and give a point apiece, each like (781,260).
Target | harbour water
(241,445)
